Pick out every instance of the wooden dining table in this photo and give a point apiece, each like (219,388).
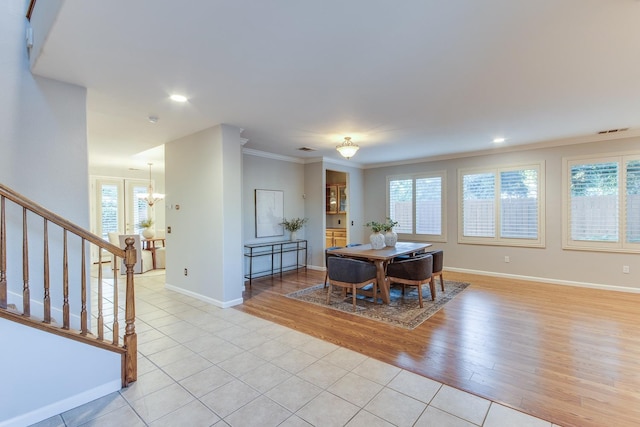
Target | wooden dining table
(381,257)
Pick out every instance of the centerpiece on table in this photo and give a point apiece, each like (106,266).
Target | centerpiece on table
(147,231)
(376,238)
(390,236)
(293,225)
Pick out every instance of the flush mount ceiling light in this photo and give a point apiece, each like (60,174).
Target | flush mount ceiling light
(347,148)
(178,98)
(150,197)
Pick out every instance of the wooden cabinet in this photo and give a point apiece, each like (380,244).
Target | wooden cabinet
(336,199)
(336,237)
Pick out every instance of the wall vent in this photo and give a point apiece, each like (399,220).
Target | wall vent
(307,149)
(613,131)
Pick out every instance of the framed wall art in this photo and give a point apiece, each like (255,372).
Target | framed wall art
(269,213)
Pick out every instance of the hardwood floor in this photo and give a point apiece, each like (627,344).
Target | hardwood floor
(565,354)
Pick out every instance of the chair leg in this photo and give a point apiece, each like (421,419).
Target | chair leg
(326,276)
(353,296)
(432,287)
(420,295)
(441,282)
(329,294)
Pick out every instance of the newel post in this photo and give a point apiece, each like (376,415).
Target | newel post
(130,337)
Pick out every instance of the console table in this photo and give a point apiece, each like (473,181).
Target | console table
(275,251)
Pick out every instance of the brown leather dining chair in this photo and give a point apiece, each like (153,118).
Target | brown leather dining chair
(352,274)
(415,271)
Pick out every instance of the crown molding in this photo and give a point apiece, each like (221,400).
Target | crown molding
(267,155)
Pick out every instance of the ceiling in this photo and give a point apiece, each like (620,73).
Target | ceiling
(406,80)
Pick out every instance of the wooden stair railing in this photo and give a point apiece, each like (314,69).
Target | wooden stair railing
(96,335)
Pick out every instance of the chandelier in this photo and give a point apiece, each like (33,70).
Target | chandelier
(347,148)
(150,197)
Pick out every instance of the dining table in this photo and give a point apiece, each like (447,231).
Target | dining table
(381,257)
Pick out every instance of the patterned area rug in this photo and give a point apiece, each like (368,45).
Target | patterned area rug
(403,311)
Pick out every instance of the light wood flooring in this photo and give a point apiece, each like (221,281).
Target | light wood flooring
(565,354)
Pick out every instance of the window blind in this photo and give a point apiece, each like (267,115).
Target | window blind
(478,205)
(519,204)
(429,205)
(594,202)
(401,204)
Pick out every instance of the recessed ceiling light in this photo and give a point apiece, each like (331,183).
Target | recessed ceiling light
(153,119)
(178,98)
(499,140)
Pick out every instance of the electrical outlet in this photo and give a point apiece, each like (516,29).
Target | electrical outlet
(625,269)
(507,259)
(186,273)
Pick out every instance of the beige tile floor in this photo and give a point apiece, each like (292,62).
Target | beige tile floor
(204,366)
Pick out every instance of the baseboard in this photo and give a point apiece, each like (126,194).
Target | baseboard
(213,301)
(547,280)
(315,267)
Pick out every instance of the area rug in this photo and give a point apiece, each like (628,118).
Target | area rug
(402,311)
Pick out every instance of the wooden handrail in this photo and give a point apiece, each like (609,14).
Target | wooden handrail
(59,220)
(32,4)
(128,348)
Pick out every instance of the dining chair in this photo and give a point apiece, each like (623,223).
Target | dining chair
(438,261)
(415,271)
(326,261)
(352,274)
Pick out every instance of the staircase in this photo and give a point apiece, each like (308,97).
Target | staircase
(64,323)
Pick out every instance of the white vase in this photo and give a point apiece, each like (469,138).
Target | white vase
(377,240)
(148,233)
(390,238)
(294,235)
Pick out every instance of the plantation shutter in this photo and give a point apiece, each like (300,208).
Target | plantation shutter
(401,204)
(594,202)
(478,205)
(519,204)
(632,207)
(429,205)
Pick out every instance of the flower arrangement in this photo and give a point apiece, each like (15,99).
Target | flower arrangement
(389,224)
(293,224)
(146,223)
(377,227)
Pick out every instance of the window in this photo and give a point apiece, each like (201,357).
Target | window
(416,202)
(602,210)
(502,206)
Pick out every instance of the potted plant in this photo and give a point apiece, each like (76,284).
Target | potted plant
(376,238)
(390,236)
(293,225)
(147,231)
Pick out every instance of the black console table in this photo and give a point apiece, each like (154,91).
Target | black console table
(276,250)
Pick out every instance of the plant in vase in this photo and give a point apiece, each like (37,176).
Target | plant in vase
(376,238)
(390,236)
(293,225)
(147,231)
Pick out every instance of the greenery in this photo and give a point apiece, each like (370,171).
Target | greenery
(146,223)
(388,226)
(293,224)
(376,227)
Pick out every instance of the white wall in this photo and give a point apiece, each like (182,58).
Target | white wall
(55,374)
(43,155)
(43,148)
(272,173)
(552,262)
(204,211)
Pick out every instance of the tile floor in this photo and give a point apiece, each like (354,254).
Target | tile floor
(204,366)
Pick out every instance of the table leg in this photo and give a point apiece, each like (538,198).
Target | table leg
(382,283)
